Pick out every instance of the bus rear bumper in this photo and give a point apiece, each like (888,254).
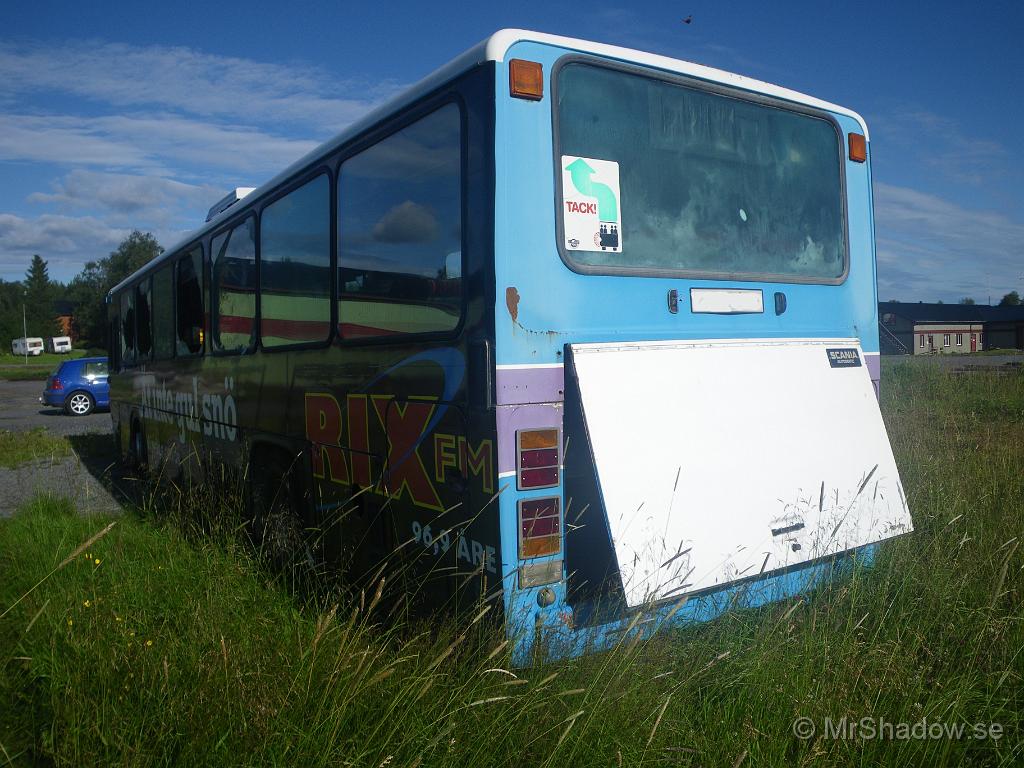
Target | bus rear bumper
(562,633)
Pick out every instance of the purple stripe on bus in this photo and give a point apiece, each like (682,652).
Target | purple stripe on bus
(529,385)
(513,418)
(874,366)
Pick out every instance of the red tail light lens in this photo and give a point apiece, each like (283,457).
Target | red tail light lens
(540,527)
(537,454)
(56,384)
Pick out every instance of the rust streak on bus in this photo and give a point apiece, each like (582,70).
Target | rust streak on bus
(512,302)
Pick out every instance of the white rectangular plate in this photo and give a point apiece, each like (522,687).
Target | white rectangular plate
(726,301)
(720,460)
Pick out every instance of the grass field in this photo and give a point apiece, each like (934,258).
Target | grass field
(148,645)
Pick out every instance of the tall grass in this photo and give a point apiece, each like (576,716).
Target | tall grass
(155,646)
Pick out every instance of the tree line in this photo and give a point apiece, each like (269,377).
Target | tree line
(32,304)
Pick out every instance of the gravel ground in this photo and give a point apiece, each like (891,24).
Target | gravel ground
(84,477)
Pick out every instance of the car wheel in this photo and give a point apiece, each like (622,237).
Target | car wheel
(79,404)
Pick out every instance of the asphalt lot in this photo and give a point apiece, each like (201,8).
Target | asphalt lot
(20,409)
(83,477)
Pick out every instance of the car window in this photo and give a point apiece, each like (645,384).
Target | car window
(96,369)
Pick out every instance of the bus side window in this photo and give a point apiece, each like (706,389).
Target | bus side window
(295,266)
(114,339)
(190,304)
(143,320)
(400,231)
(233,296)
(163,313)
(128,327)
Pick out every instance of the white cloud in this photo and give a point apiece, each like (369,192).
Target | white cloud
(939,143)
(148,138)
(186,80)
(124,194)
(931,248)
(157,144)
(64,140)
(66,242)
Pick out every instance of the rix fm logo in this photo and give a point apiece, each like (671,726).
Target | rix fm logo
(405,426)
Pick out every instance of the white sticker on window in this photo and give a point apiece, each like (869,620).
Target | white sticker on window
(591,213)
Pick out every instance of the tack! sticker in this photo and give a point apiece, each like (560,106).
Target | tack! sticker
(591,214)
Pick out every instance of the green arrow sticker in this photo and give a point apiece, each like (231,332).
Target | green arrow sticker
(590,204)
(582,178)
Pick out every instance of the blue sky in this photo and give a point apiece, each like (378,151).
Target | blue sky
(117,116)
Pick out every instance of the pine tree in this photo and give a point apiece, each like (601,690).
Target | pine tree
(38,295)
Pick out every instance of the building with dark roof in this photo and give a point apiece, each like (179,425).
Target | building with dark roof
(927,329)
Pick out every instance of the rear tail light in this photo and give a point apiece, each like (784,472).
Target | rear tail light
(540,527)
(537,456)
(56,384)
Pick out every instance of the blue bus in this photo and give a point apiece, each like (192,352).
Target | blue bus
(581,331)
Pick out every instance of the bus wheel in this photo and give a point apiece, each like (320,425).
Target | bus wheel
(138,459)
(276,514)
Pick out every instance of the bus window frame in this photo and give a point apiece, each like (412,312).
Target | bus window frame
(128,294)
(378,133)
(324,167)
(171,266)
(114,341)
(176,259)
(147,280)
(708,87)
(254,340)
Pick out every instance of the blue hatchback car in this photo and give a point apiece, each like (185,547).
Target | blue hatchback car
(78,386)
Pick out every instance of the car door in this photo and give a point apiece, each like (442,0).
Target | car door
(96,375)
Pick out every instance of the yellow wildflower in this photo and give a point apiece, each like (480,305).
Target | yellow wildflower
(87,603)
(97,561)
(70,622)
(149,643)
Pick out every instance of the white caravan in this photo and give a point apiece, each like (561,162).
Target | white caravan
(60,345)
(32,345)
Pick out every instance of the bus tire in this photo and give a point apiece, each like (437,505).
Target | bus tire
(276,511)
(138,458)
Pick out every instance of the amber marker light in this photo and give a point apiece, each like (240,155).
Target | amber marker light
(858,147)
(526,79)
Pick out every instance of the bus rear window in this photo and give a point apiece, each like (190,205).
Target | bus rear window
(709,185)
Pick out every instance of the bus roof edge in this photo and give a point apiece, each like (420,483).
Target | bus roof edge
(495,48)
